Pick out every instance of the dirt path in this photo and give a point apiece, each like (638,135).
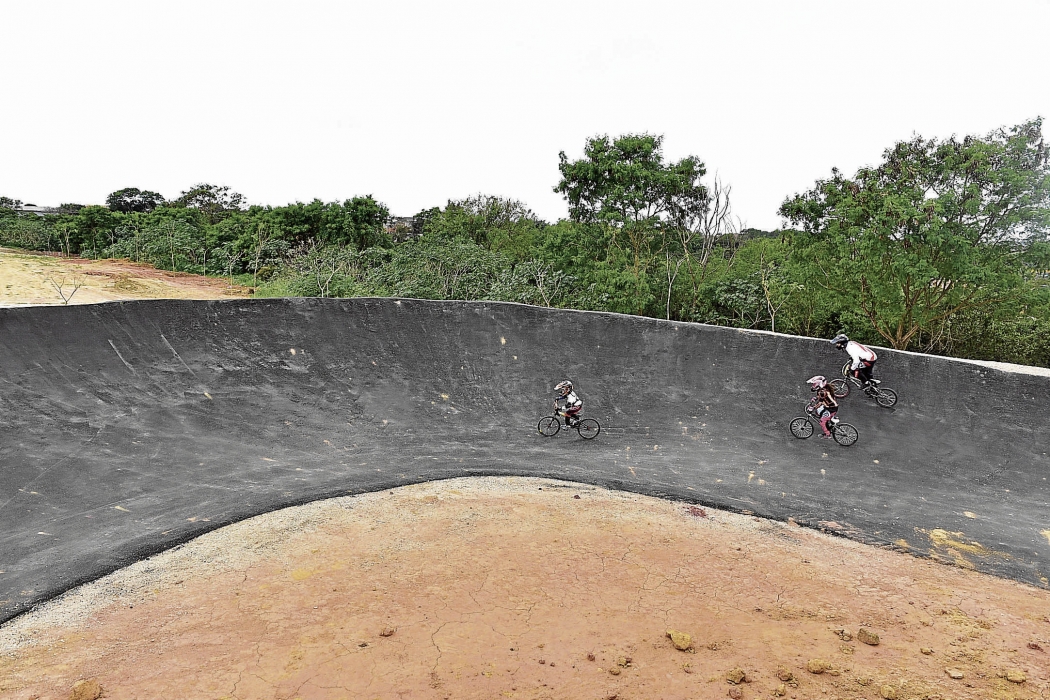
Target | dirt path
(38,279)
(530,588)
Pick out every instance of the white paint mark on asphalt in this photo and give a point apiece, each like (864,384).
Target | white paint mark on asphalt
(122,357)
(177,355)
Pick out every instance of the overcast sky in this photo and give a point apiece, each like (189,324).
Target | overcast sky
(419,102)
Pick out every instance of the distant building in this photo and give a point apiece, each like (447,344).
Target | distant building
(39,211)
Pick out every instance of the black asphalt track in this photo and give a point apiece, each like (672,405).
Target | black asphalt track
(130,427)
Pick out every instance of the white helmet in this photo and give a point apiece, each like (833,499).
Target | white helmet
(563,388)
(817,382)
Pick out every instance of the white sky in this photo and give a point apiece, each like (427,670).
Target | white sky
(418,102)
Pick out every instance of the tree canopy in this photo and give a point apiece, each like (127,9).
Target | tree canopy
(932,231)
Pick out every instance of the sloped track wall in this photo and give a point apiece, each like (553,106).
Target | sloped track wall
(130,427)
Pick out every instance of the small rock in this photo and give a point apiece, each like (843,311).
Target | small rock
(888,692)
(1015,675)
(590,657)
(681,640)
(926,650)
(552,664)
(624,661)
(736,676)
(736,693)
(817,666)
(954,673)
(844,635)
(86,690)
(615,670)
(387,632)
(780,691)
(866,637)
(785,675)
(1034,645)
(543,661)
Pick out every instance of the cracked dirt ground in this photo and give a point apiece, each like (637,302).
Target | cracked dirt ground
(529,588)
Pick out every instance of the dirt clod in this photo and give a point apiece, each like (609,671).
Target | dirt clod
(818,666)
(88,689)
(888,692)
(955,673)
(1015,675)
(866,637)
(680,640)
(736,676)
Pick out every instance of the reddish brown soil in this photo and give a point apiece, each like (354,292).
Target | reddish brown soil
(525,588)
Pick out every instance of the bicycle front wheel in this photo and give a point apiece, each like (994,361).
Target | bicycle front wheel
(588,428)
(886,397)
(840,387)
(801,428)
(845,434)
(549,426)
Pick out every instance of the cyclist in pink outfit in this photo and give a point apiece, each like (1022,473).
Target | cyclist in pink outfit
(824,404)
(863,358)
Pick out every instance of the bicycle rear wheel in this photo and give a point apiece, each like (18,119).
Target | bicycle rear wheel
(845,434)
(840,387)
(588,428)
(886,397)
(549,426)
(801,428)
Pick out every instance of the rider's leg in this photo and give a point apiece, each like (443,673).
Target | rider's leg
(825,416)
(865,372)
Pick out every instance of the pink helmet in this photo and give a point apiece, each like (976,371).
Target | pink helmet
(817,382)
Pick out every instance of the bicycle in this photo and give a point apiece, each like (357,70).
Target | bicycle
(802,427)
(588,428)
(841,387)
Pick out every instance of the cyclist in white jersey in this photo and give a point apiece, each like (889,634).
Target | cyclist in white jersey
(567,403)
(863,357)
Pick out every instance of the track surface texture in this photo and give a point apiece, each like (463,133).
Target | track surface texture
(130,427)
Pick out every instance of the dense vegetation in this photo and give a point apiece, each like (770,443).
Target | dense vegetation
(942,247)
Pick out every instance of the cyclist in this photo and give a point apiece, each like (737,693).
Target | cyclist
(567,403)
(824,404)
(863,358)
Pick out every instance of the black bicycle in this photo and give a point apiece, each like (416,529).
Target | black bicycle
(588,428)
(884,397)
(804,427)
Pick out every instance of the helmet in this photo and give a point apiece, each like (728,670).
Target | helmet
(817,382)
(563,388)
(840,340)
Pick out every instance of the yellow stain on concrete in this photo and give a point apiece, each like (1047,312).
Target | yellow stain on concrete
(1046,534)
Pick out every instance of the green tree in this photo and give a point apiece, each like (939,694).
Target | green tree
(495,223)
(132,199)
(625,184)
(932,231)
(214,201)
